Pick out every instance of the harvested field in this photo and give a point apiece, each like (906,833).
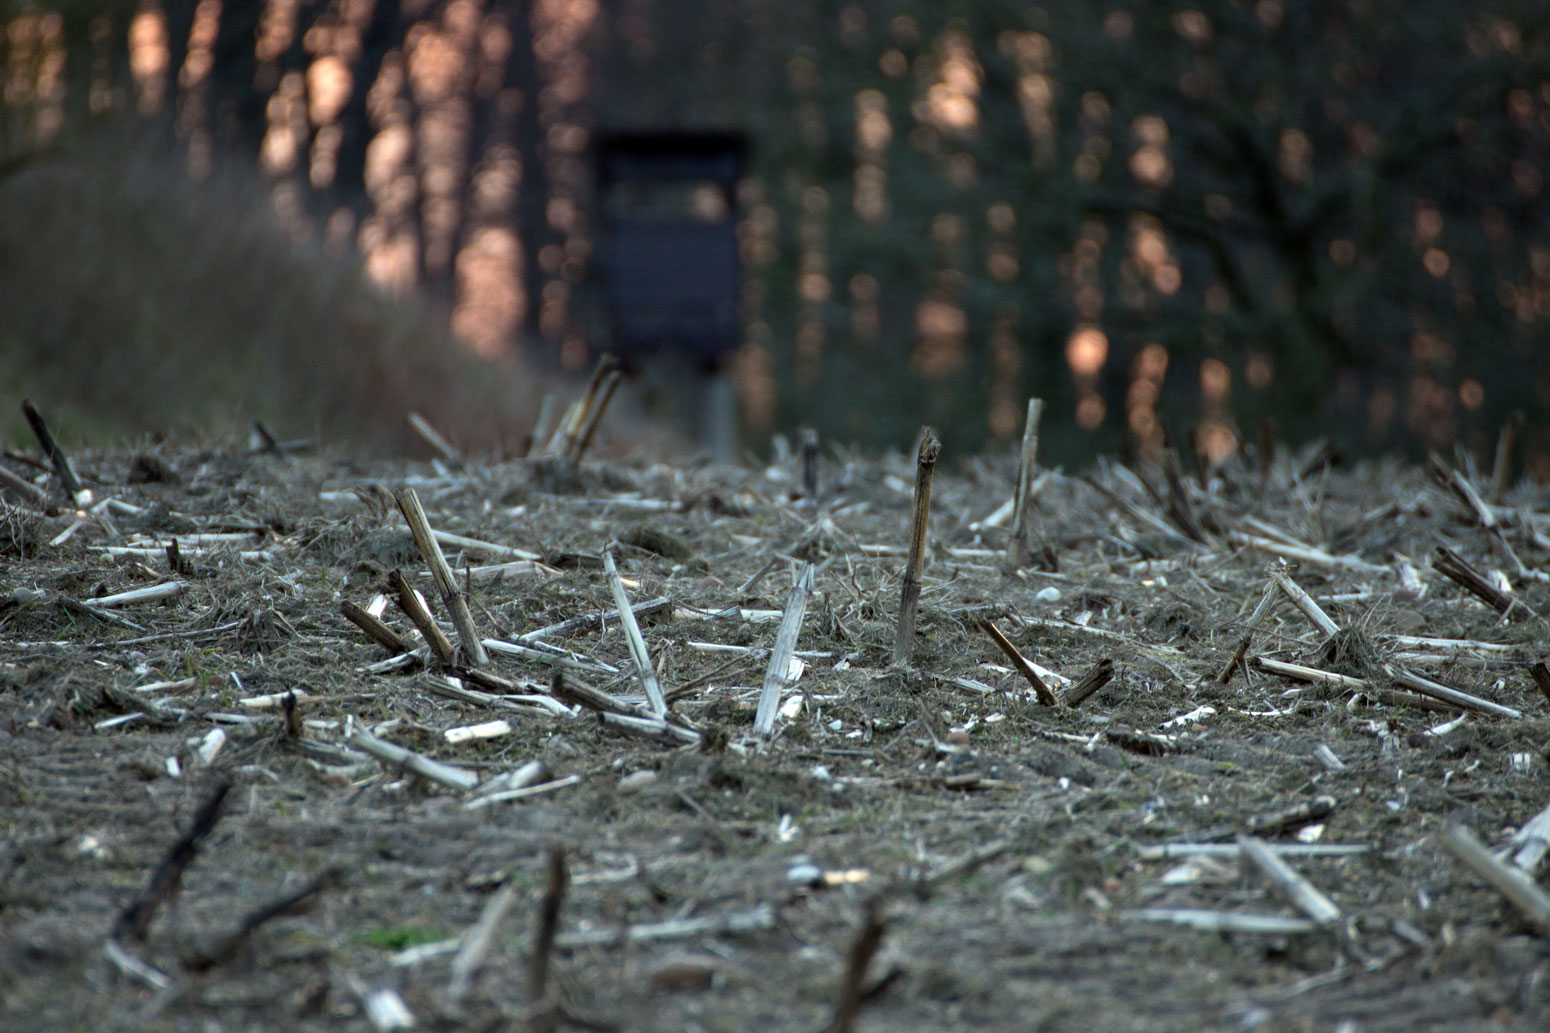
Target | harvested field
(226,807)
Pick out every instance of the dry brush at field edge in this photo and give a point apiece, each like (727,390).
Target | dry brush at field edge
(1261,751)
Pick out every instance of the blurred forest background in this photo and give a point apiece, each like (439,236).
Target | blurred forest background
(1180,219)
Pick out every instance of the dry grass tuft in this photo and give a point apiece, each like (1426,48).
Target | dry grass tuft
(137,302)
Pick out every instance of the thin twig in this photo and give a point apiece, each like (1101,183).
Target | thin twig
(857,959)
(756,918)
(909,596)
(1431,694)
(521,792)
(136,918)
(440,445)
(224,947)
(1167,851)
(543,652)
(219,629)
(548,925)
(587,622)
(1222,921)
(505,552)
(78,493)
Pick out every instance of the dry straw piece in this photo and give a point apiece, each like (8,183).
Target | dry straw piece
(1022,499)
(446,584)
(413,605)
(775,679)
(638,651)
(1508,880)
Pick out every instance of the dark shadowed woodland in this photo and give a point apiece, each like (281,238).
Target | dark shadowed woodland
(1171,223)
(376,654)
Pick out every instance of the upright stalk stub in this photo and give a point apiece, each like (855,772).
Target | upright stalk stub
(909,598)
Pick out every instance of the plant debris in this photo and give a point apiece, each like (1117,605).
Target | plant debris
(420,698)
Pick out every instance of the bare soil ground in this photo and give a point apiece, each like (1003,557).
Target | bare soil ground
(1006,849)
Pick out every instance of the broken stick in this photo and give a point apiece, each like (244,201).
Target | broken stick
(22,487)
(1040,686)
(414,608)
(1100,675)
(637,642)
(1022,504)
(909,596)
(476,943)
(1303,601)
(440,445)
(809,439)
(136,918)
(852,991)
(1501,468)
(594,416)
(1306,897)
(375,629)
(775,678)
(567,436)
(548,925)
(446,584)
(1511,882)
(214,952)
(1458,570)
(78,493)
